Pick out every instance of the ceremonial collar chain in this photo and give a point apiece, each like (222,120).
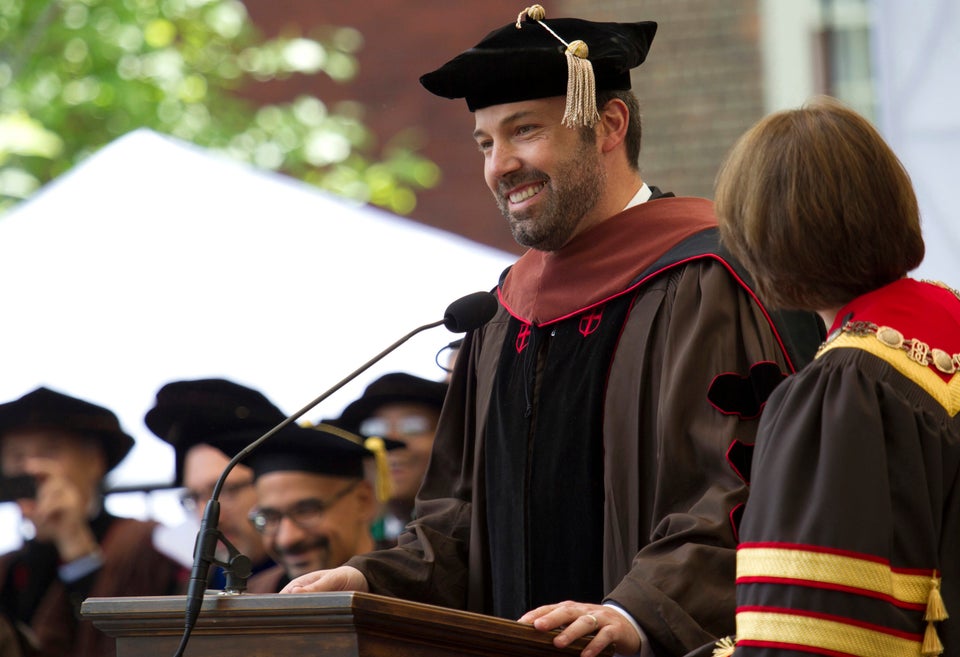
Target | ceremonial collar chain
(943,285)
(916,350)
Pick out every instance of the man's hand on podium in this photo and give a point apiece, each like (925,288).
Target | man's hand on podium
(344,578)
(608,625)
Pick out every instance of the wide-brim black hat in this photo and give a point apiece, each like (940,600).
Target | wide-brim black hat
(393,388)
(514,63)
(210,411)
(48,409)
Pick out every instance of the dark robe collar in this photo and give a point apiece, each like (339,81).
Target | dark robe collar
(601,263)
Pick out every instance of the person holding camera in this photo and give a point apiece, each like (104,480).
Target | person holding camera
(62,448)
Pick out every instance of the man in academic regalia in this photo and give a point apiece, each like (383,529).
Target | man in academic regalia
(587,472)
(65,446)
(195,415)
(315,504)
(403,408)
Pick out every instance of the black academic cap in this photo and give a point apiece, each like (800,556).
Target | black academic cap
(217,412)
(528,62)
(321,449)
(47,409)
(393,388)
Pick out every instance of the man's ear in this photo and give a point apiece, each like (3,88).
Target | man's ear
(612,128)
(366,500)
(97,455)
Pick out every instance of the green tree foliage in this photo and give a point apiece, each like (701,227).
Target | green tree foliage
(76,74)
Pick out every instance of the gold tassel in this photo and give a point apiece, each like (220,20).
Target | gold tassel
(725,647)
(383,483)
(581,109)
(936,611)
(533,12)
(931,642)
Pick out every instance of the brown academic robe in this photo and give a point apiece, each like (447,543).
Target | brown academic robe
(670,495)
(131,567)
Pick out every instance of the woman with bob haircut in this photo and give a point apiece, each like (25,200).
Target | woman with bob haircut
(850,539)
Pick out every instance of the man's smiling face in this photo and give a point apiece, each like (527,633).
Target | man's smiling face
(546,178)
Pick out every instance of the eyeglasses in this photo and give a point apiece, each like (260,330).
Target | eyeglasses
(305,513)
(193,499)
(411,425)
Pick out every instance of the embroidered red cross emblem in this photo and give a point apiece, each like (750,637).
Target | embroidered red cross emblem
(590,322)
(523,337)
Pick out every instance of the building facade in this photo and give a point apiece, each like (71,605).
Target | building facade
(714,69)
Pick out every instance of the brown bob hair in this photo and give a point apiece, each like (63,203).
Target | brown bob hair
(818,207)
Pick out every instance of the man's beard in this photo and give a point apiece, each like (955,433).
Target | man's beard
(567,197)
(312,545)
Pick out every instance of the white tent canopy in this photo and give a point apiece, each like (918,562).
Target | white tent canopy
(155,261)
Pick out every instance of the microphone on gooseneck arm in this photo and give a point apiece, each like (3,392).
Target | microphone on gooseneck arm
(470,312)
(465,314)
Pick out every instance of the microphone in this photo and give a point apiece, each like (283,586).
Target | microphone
(465,314)
(470,312)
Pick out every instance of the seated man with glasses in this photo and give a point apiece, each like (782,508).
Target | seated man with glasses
(208,421)
(314,505)
(404,408)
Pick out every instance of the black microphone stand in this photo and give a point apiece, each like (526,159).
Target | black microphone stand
(464,314)
(238,569)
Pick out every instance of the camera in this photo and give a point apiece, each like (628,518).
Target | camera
(17,487)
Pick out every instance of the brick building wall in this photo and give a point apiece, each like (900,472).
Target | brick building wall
(699,89)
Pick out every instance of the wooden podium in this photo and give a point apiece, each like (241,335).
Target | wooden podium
(317,624)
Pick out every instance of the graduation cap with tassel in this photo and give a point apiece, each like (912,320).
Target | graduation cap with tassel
(326,448)
(532,58)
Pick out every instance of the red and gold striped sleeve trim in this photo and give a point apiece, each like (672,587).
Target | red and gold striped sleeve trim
(769,627)
(825,568)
